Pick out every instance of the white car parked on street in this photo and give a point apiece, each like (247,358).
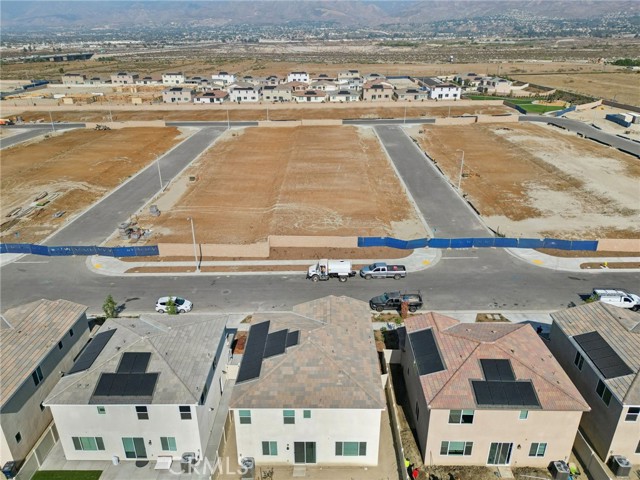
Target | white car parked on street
(182,304)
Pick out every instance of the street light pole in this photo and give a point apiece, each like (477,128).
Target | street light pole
(461,168)
(228,122)
(405,114)
(195,250)
(51,118)
(159,173)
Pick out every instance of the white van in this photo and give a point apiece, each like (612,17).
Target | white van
(616,297)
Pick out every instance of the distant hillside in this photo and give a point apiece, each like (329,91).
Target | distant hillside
(121,14)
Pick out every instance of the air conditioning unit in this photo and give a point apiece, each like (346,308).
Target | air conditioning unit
(248,468)
(559,470)
(619,465)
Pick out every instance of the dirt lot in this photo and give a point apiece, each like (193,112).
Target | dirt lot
(534,181)
(320,181)
(77,168)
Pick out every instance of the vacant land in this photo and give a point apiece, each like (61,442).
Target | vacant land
(287,181)
(533,181)
(75,169)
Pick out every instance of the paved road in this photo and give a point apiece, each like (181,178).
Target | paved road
(96,224)
(388,121)
(441,206)
(32,131)
(211,124)
(587,131)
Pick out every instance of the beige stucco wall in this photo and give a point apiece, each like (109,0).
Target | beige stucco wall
(214,250)
(308,241)
(498,118)
(588,106)
(455,120)
(619,245)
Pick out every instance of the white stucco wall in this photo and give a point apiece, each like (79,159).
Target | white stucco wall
(121,421)
(325,428)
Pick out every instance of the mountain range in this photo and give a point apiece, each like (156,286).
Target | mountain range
(120,14)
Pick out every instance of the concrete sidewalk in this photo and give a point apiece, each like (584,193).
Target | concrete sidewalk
(420,259)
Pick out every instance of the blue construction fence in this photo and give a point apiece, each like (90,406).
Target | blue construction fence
(29,248)
(559,113)
(496,242)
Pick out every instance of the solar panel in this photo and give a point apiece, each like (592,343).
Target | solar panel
(104,384)
(276,343)
(126,385)
(425,352)
(253,352)
(293,338)
(500,393)
(134,362)
(602,355)
(91,351)
(497,370)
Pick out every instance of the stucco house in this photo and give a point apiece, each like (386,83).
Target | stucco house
(124,78)
(348,74)
(242,92)
(439,90)
(487,394)
(178,95)
(295,86)
(73,79)
(313,96)
(342,95)
(144,388)
(412,94)
(223,78)
(495,85)
(323,85)
(276,93)
(173,78)
(298,77)
(214,96)
(39,342)
(148,81)
(309,387)
(598,345)
(377,91)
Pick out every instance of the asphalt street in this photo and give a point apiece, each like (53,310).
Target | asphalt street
(483,279)
(33,131)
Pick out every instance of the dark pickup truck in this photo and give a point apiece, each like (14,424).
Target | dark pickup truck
(382,270)
(394,300)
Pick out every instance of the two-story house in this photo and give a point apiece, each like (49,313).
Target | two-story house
(144,388)
(411,94)
(242,92)
(309,390)
(223,78)
(276,93)
(39,342)
(178,95)
(214,96)
(598,345)
(439,90)
(173,78)
(311,96)
(298,77)
(73,79)
(487,394)
(377,91)
(124,78)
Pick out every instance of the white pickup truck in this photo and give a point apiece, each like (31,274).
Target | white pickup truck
(617,297)
(382,270)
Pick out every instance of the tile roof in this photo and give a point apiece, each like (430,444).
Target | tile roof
(620,328)
(28,334)
(462,346)
(181,347)
(334,365)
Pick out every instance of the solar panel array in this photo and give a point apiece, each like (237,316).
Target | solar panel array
(518,393)
(134,362)
(499,370)
(602,355)
(260,345)
(126,385)
(91,351)
(425,352)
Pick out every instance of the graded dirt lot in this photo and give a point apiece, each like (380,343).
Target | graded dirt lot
(315,180)
(534,181)
(75,168)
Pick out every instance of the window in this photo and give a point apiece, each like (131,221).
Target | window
(71,332)
(18,437)
(185,412)
(537,449)
(37,376)
(461,416)
(578,361)
(245,416)
(632,414)
(142,412)
(289,416)
(168,444)
(88,443)
(269,448)
(603,392)
(306,414)
(456,448)
(524,414)
(351,449)
(60,345)
(101,410)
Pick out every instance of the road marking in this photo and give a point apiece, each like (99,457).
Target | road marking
(426,262)
(537,262)
(43,261)
(97,265)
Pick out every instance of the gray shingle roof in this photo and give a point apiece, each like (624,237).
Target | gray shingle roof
(29,333)
(334,365)
(620,328)
(182,350)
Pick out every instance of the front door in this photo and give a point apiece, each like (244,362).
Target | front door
(500,454)
(304,452)
(134,447)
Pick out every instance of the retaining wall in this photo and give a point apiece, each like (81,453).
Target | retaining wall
(619,245)
(309,241)
(253,250)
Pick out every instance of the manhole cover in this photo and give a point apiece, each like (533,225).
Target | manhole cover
(226,292)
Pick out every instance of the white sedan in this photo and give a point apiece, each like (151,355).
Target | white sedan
(182,304)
